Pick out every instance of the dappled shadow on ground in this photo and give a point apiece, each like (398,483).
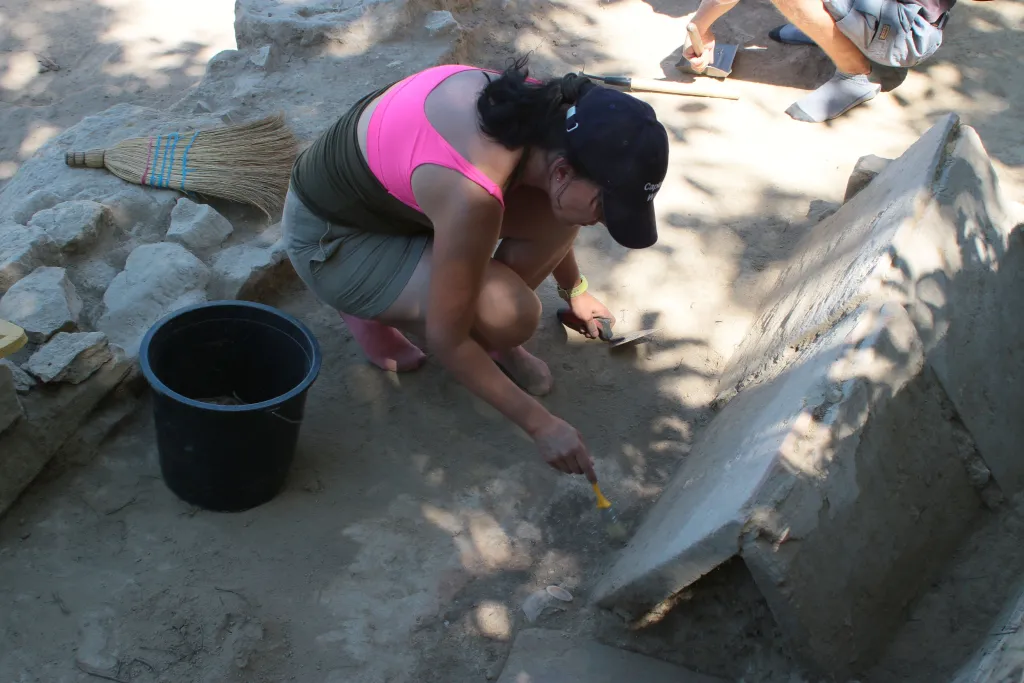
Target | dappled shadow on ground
(417,520)
(61,61)
(969,74)
(956,612)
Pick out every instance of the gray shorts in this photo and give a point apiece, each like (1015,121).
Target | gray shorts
(350,270)
(888,32)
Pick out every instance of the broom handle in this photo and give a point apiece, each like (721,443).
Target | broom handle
(92,158)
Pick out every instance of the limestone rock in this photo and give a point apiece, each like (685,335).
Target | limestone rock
(55,414)
(312,22)
(298,84)
(94,276)
(142,212)
(71,358)
(157,279)
(10,406)
(863,173)
(819,210)
(42,304)
(44,180)
(197,226)
(907,297)
(33,203)
(74,226)
(440,23)
(23,382)
(240,271)
(22,250)
(265,58)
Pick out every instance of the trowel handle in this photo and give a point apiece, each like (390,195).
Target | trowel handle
(570,319)
(695,40)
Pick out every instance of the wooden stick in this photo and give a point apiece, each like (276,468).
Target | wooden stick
(675,88)
(670,87)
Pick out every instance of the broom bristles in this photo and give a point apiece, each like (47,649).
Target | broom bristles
(249,163)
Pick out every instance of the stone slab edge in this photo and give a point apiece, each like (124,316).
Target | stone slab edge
(762,354)
(1000,658)
(853,545)
(644,574)
(54,414)
(972,331)
(549,656)
(955,261)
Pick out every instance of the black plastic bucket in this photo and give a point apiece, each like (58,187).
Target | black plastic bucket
(229,380)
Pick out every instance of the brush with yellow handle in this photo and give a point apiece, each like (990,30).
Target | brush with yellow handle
(12,338)
(612,526)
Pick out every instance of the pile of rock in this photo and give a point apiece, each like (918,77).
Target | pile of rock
(88,263)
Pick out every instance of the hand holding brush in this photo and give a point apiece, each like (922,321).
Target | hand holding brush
(612,526)
(562,447)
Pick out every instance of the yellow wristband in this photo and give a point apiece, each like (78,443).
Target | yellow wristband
(579,289)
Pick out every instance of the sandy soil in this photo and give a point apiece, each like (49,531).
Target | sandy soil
(416,520)
(61,60)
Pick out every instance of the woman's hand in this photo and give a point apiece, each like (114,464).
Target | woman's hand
(562,447)
(587,308)
(699,64)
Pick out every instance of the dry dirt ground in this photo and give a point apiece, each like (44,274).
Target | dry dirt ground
(416,521)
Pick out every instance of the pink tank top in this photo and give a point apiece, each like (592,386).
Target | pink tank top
(400,138)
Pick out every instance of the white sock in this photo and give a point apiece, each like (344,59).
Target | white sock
(841,93)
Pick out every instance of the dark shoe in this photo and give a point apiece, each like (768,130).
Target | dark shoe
(788,34)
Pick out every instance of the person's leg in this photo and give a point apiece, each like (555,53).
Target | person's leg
(384,346)
(508,310)
(533,243)
(813,18)
(788,34)
(850,85)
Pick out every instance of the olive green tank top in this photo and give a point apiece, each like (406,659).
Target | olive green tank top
(333,179)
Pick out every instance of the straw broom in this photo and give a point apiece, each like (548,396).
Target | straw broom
(249,163)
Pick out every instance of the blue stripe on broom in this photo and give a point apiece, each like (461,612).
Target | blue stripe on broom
(184,161)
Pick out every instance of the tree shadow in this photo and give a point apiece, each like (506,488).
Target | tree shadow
(897,434)
(90,67)
(959,66)
(417,520)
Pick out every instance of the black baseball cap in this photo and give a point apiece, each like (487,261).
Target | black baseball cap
(616,140)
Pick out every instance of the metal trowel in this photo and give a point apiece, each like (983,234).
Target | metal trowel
(721,62)
(567,318)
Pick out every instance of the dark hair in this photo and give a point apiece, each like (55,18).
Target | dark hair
(517,113)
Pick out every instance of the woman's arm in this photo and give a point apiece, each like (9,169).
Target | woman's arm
(708,12)
(585,306)
(567,272)
(467,224)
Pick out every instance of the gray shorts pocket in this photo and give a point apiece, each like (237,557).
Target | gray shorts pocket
(309,238)
(890,32)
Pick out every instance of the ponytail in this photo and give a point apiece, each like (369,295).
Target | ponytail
(517,113)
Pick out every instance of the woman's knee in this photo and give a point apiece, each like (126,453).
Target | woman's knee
(508,310)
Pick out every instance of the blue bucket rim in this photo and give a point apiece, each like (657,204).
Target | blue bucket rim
(158,385)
